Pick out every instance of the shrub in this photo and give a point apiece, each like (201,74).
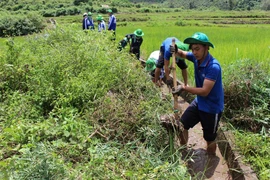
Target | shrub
(83,104)
(15,25)
(247,95)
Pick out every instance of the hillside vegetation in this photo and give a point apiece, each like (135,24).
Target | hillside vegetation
(71,108)
(23,17)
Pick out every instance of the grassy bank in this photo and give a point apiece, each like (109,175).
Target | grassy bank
(71,108)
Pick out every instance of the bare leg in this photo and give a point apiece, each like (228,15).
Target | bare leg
(157,74)
(211,147)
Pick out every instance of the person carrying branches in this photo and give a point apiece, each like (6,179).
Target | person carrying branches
(164,61)
(134,40)
(208,105)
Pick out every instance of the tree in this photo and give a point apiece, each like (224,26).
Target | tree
(266,5)
(78,2)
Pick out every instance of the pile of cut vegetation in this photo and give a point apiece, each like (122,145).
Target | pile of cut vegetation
(72,106)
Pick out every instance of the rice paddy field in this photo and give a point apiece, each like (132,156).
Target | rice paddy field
(236,35)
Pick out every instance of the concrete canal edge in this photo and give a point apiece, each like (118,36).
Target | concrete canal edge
(238,169)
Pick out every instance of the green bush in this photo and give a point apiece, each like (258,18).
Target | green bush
(247,95)
(254,147)
(70,100)
(15,25)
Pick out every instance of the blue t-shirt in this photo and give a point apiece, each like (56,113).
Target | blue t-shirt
(166,47)
(112,22)
(209,69)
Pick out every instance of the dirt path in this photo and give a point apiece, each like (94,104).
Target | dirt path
(200,165)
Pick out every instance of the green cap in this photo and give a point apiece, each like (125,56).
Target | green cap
(150,64)
(109,11)
(198,38)
(89,14)
(139,33)
(99,18)
(182,46)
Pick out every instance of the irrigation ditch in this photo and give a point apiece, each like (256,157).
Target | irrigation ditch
(226,165)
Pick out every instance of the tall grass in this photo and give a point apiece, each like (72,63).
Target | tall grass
(73,107)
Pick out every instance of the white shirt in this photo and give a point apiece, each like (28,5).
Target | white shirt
(155,55)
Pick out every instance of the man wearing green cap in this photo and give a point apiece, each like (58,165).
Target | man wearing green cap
(208,105)
(90,21)
(135,41)
(164,61)
(101,24)
(112,23)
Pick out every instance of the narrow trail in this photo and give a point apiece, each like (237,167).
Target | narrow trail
(199,164)
(228,163)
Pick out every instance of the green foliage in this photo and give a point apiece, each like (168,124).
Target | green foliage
(70,101)
(247,95)
(78,2)
(15,25)
(38,162)
(180,23)
(255,148)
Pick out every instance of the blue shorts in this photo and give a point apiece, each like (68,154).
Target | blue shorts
(209,121)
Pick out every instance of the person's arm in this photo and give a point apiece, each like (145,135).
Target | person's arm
(166,68)
(185,76)
(201,91)
(141,42)
(104,25)
(181,53)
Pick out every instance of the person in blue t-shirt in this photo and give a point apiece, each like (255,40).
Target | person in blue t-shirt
(208,105)
(85,22)
(90,21)
(164,61)
(112,23)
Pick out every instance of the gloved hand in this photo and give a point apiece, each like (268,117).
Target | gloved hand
(169,82)
(178,90)
(173,49)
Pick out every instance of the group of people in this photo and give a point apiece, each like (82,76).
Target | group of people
(208,105)
(88,22)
